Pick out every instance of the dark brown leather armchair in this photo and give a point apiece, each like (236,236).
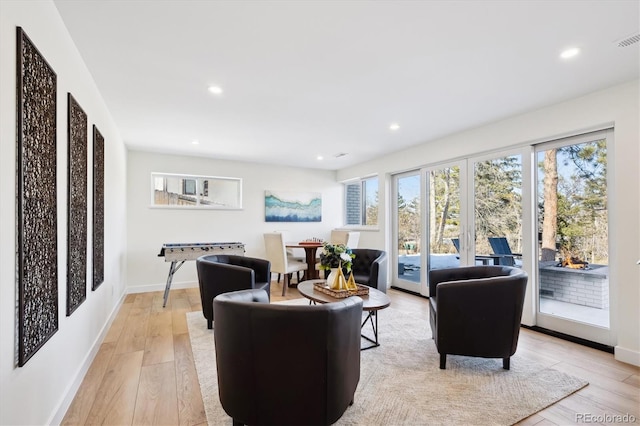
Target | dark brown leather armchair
(286,364)
(476,311)
(224,273)
(369,267)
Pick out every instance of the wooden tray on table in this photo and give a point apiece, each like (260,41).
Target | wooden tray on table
(341,294)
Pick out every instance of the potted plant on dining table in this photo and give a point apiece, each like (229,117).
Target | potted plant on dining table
(336,258)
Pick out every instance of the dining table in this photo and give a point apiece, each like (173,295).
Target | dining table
(310,250)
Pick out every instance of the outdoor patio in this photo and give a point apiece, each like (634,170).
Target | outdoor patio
(578,312)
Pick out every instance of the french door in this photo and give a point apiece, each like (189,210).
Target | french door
(408,190)
(573,295)
(534,208)
(445,214)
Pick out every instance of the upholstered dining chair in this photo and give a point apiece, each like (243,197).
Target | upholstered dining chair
(293,254)
(348,238)
(280,263)
(219,274)
(369,267)
(318,348)
(476,311)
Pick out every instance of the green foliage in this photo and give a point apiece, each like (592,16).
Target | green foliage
(581,213)
(444,208)
(409,223)
(371,212)
(582,201)
(498,201)
(336,256)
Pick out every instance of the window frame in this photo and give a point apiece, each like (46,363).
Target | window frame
(202,189)
(362,183)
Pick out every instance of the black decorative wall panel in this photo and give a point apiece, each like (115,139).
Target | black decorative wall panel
(98,208)
(77,209)
(37,255)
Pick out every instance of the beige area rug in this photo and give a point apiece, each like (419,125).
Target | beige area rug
(401,382)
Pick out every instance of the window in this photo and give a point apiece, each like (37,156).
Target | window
(188,187)
(190,191)
(361,201)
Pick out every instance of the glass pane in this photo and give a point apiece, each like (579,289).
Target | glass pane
(573,259)
(370,201)
(196,191)
(444,217)
(353,199)
(409,228)
(219,192)
(498,211)
(174,191)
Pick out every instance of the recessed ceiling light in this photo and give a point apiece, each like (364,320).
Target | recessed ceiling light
(216,90)
(195,142)
(319,158)
(569,53)
(394,126)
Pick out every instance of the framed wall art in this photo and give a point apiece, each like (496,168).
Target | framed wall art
(37,238)
(98,208)
(77,205)
(292,206)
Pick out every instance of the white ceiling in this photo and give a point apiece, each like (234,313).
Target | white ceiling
(310,78)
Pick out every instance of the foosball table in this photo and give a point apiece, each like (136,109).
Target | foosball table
(179,253)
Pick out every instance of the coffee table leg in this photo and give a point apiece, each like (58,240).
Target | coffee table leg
(374,326)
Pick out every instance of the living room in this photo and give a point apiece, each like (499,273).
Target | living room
(41,390)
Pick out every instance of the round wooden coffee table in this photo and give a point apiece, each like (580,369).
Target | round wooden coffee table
(371,303)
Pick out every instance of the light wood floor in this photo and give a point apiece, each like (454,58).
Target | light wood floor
(144,372)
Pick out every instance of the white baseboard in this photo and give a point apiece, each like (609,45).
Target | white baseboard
(627,355)
(73,387)
(160,287)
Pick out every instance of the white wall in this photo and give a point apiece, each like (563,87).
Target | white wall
(149,228)
(35,393)
(617,106)
(38,392)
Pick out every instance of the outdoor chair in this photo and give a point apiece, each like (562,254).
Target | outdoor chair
(286,364)
(476,311)
(500,246)
(456,244)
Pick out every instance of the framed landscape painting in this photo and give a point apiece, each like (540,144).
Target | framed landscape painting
(292,206)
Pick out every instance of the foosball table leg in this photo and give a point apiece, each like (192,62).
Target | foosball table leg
(175,265)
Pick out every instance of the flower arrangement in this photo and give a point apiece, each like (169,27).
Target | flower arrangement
(335,256)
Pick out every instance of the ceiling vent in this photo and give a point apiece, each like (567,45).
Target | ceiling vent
(342,154)
(628,41)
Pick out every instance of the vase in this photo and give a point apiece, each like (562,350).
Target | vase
(336,280)
(331,279)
